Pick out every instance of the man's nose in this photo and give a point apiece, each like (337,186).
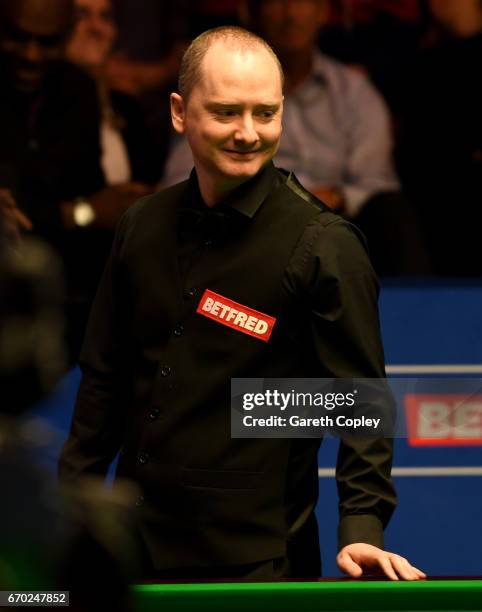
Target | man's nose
(246,131)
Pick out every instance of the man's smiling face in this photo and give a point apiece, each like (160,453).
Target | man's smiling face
(232,118)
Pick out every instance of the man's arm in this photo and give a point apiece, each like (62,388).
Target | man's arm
(99,418)
(342,295)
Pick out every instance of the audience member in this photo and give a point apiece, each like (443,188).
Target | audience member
(150,43)
(127,150)
(441,152)
(336,136)
(377,36)
(82,541)
(50,150)
(152,38)
(214,13)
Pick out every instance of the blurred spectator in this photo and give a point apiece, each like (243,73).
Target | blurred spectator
(83,541)
(49,150)
(441,152)
(378,36)
(150,35)
(127,150)
(336,135)
(213,13)
(152,38)
(134,73)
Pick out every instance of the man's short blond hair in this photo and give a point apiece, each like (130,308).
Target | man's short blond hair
(233,37)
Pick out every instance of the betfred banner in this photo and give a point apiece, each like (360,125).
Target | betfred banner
(444,419)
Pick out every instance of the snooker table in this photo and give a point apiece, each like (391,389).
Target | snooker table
(323,595)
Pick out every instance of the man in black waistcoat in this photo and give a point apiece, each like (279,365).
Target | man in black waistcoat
(156,370)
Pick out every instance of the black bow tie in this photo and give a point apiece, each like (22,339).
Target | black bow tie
(209,221)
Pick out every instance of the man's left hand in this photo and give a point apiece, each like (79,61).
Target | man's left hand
(357,559)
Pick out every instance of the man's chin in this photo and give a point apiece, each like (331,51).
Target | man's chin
(243,169)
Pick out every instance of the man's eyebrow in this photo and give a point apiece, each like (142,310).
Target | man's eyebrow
(221,104)
(269,106)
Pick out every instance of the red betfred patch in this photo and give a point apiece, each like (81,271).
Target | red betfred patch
(236,316)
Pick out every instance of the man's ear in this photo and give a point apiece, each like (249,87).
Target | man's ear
(178,114)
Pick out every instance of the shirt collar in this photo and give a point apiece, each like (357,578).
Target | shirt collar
(247,198)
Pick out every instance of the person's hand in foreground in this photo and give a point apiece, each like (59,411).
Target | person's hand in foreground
(12,218)
(358,559)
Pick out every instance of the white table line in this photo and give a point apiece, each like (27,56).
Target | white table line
(434,369)
(419,471)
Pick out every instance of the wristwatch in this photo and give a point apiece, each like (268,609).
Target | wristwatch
(83,213)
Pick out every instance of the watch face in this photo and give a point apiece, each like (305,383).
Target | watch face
(83,214)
